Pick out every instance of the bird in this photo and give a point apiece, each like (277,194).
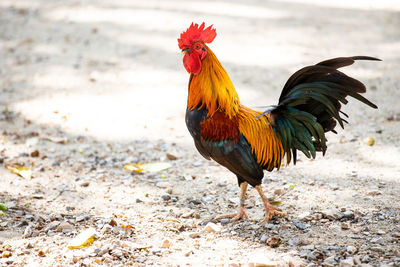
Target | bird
(246,141)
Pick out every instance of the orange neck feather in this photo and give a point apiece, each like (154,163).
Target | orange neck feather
(212,88)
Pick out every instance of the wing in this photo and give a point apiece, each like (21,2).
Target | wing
(218,138)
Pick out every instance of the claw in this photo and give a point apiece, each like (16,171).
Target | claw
(235,216)
(270,210)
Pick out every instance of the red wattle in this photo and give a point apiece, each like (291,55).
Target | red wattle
(192,63)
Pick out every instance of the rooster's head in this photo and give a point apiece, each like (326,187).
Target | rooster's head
(192,43)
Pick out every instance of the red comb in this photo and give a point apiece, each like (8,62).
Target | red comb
(195,33)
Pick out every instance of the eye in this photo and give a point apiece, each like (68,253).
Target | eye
(197,46)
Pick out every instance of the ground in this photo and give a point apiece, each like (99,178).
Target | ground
(90,86)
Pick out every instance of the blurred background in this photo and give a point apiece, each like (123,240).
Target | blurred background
(113,70)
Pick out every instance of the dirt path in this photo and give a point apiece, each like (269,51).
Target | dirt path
(94,85)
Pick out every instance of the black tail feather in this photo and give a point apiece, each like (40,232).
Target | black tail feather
(310,105)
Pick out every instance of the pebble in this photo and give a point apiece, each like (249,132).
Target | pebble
(380,232)
(294,242)
(263,238)
(270,226)
(254,226)
(305,216)
(332,214)
(347,262)
(212,228)
(300,225)
(166,197)
(351,249)
(27,232)
(188,214)
(376,240)
(163,184)
(366,259)
(396,234)
(377,249)
(51,226)
(65,227)
(345,226)
(348,215)
(225,221)
(330,261)
(84,184)
(194,235)
(166,244)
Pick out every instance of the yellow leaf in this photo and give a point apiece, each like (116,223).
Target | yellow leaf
(275,202)
(147,167)
(84,239)
(24,172)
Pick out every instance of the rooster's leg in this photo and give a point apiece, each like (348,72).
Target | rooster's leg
(270,210)
(241,213)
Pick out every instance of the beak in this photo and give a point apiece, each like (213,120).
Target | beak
(186,50)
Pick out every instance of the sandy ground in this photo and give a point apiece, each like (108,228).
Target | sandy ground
(94,85)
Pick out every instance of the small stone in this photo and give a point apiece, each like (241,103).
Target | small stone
(166,197)
(6,254)
(376,240)
(212,228)
(345,226)
(347,262)
(309,247)
(331,214)
(330,261)
(302,226)
(356,260)
(51,226)
(41,253)
(35,154)
(263,238)
(348,214)
(80,218)
(374,193)
(396,234)
(351,249)
(166,244)
(366,259)
(188,214)
(84,184)
(377,249)
(274,242)
(278,191)
(225,221)
(194,235)
(254,226)
(65,227)
(270,226)
(38,196)
(197,164)
(187,253)
(163,184)
(305,216)
(334,187)
(380,232)
(294,242)
(171,156)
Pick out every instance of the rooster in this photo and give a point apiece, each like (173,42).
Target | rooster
(246,141)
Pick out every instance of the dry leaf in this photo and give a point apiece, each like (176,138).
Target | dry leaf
(147,167)
(166,244)
(24,172)
(84,239)
(58,140)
